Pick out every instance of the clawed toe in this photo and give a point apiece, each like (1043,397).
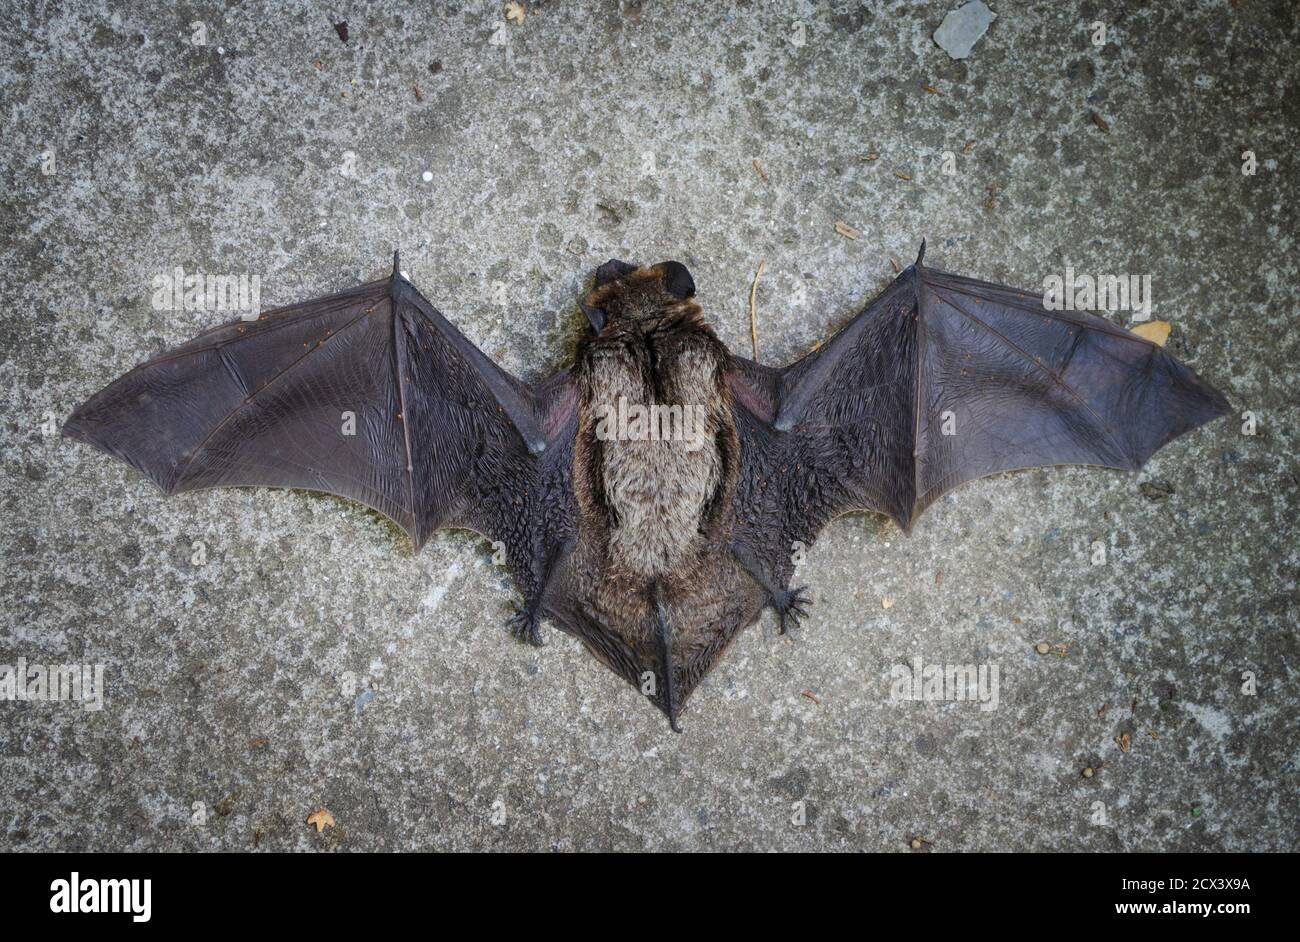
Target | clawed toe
(524,627)
(792,608)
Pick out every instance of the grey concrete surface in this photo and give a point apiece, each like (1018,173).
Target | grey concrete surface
(313,661)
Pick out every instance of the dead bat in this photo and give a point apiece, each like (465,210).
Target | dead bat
(651,497)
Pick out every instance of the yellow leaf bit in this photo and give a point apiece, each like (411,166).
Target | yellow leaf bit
(321,818)
(1155,331)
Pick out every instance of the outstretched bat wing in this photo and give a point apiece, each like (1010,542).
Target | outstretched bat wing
(368,394)
(940,380)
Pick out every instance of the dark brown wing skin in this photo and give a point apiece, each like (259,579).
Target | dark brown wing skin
(442,436)
(860,423)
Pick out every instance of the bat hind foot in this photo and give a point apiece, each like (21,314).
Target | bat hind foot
(524,627)
(791,607)
(791,604)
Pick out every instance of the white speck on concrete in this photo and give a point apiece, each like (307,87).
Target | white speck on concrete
(1214,721)
(433,598)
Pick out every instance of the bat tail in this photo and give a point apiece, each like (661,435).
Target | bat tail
(397,264)
(920,255)
(669,704)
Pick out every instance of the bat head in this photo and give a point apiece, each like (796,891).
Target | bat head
(625,292)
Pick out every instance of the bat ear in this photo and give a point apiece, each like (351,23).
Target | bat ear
(595,316)
(677,280)
(612,271)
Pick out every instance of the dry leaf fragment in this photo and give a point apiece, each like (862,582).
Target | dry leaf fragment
(1124,740)
(932,90)
(1155,331)
(1156,490)
(759,170)
(515,12)
(227,804)
(321,818)
(1100,122)
(418,96)
(258,743)
(969,144)
(810,695)
(342,30)
(902,175)
(887,602)
(871,156)
(844,229)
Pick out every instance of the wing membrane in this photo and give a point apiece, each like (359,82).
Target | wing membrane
(368,394)
(944,379)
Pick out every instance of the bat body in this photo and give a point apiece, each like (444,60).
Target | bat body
(651,497)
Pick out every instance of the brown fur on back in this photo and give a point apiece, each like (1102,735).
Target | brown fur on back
(657,492)
(651,511)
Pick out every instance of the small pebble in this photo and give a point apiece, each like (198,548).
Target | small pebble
(1042,647)
(427,176)
(916,843)
(962,28)
(1087,773)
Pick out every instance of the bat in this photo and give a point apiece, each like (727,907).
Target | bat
(649,498)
